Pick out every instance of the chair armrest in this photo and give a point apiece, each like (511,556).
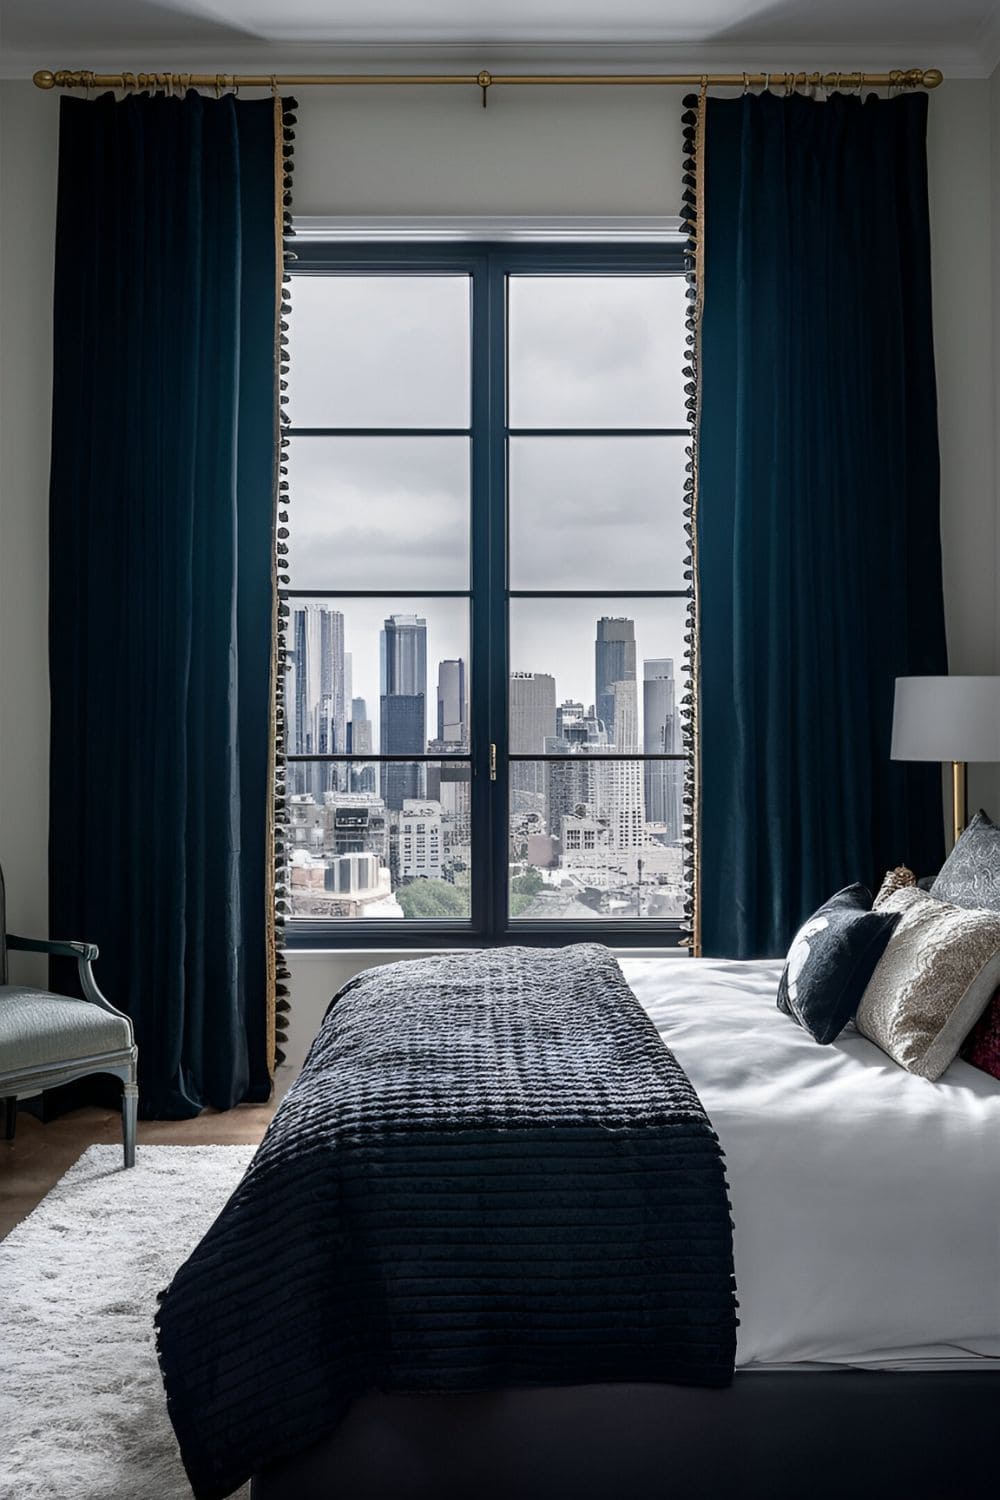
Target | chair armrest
(56,949)
(84,953)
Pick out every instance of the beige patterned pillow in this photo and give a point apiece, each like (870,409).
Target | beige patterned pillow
(933,981)
(895,880)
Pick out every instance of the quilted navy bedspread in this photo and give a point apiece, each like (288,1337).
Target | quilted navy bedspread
(491,1172)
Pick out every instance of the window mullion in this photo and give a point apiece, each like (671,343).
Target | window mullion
(480,622)
(498,660)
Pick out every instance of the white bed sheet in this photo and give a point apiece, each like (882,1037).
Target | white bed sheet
(866,1201)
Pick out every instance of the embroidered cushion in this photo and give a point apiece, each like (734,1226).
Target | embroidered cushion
(970,875)
(831,960)
(932,983)
(895,880)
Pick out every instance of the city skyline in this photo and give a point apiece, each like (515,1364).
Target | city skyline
(604,831)
(549,636)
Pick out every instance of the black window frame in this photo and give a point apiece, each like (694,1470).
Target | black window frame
(488,265)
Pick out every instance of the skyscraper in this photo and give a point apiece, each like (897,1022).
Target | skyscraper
(625,715)
(363,778)
(532,721)
(614,661)
(403,705)
(663,779)
(402,732)
(451,702)
(317,717)
(404,655)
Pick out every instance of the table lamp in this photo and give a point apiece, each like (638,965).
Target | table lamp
(953,719)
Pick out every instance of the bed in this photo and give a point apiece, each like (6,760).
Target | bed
(866,1213)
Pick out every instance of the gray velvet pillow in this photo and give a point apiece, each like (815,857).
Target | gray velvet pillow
(971,873)
(932,983)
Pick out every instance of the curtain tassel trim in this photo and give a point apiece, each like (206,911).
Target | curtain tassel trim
(280,995)
(692,222)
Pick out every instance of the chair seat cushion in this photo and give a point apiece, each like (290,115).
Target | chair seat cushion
(38,1028)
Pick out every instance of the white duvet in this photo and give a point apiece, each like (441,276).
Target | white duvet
(866,1201)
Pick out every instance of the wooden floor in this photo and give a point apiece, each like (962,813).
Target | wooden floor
(39,1154)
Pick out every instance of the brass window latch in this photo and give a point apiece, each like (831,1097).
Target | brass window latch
(493,762)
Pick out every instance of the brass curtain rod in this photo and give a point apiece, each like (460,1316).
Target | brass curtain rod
(904,78)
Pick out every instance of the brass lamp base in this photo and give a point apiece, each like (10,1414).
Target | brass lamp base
(959,799)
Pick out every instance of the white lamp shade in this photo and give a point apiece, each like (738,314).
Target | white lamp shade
(946,718)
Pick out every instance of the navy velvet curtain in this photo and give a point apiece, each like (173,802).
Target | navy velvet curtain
(163,456)
(818,529)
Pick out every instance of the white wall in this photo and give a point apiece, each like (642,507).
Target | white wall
(28,129)
(533,151)
(962,167)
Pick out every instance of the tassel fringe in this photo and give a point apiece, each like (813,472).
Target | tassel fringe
(285,120)
(692,219)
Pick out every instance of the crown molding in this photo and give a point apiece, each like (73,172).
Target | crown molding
(956,59)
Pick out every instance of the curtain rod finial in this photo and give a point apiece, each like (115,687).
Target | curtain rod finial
(44,79)
(932,77)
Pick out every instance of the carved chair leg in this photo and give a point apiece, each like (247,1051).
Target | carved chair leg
(9,1118)
(130,1106)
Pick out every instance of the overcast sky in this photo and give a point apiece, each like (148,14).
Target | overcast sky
(585,512)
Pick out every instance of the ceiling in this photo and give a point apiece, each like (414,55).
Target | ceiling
(961,36)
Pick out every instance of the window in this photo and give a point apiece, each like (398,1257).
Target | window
(486,602)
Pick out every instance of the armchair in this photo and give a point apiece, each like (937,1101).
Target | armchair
(48,1039)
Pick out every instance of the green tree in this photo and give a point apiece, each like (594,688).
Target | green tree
(424,900)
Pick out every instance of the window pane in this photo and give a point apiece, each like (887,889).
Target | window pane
(596,351)
(603,672)
(379,351)
(353,855)
(373,513)
(595,512)
(382,676)
(584,850)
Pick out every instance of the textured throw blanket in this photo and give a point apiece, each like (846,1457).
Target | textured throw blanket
(491,1172)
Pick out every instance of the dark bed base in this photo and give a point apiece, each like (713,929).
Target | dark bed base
(821,1435)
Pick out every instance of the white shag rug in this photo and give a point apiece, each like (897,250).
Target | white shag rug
(82,1410)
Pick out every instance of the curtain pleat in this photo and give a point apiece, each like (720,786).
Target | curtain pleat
(161,590)
(818,506)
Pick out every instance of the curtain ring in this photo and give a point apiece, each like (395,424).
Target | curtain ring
(746,84)
(767,83)
(274,87)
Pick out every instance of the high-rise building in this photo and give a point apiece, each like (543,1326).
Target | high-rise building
(572,785)
(614,661)
(404,655)
(625,715)
(362,778)
(663,779)
(403,706)
(401,731)
(568,712)
(532,722)
(417,841)
(622,803)
(452,708)
(317,717)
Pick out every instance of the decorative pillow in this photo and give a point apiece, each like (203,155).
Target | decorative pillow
(970,875)
(933,981)
(895,880)
(982,1049)
(831,960)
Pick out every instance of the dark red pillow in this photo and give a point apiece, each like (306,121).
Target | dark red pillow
(982,1046)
